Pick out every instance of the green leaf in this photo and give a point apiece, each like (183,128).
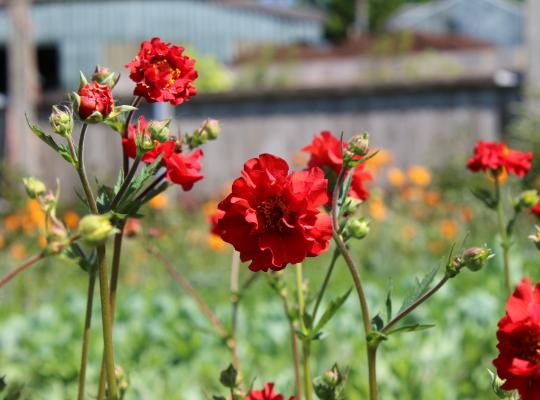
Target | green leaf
(421,288)
(331,309)
(410,328)
(147,172)
(104,198)
(63,150)
(388,302)
(116,123)
(377,322)
(486,197)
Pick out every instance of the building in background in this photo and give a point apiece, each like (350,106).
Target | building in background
(500,22)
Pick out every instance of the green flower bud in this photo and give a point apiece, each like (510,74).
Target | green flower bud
(105,76)
(61,120)
(359,144)
(357,228)
(95,229)
(526,199)
(57,237)
(330,385)
(536,237)
(454,267)
(475,258)
(351,205)
(228,377)
(159,130)
(34,187)
(212,128)
(121,380)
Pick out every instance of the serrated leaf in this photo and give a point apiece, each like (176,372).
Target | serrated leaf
(63,150)
(104,197)
(331,309)
(410,328)
(422,287)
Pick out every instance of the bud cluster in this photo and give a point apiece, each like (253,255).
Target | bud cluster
(210,130)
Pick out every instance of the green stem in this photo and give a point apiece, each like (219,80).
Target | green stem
(81,170)
(86,332)
(235,300)
(294,345)
(335,256)
(505,239)
(116,200)
(373,392)
(306,345)
(125,158)
(107,324)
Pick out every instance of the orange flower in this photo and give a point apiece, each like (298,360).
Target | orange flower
(2,241)
(436,246)
(449,229)
(466,214)
(376,209)
(159,202)
(432,198)
(408,232)
(71,218)
(12,222)
(382,158)
(419,175)
(17,251)
(209,208)
(35,213)
(216,243)
(396,177)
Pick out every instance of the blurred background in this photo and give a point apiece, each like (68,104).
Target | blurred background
(426,79)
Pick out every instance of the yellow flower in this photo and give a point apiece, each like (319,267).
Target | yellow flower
(209,208)
(71,218)
(17,251)
(419,175)
(216,243)
(376,209)
(396,177)
(159,202)
(449,229)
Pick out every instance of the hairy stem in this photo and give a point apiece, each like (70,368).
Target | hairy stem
(235,300)
(294,347)
(373,392)
(33,260)
(329,271)
(125,159)
(125,185)
(86,333)
(306,342)
(505,239)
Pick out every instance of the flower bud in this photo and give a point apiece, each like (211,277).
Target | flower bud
(351,205)
(526,199)
(475,258)
(95,229)
(57,237)
(121,380)
(34,187)
(228,377)
(454,266)
(93,102)
(159,130)
(330,386)
(61,120)
(357,228)
(359,144)
(212,128)
(105,76)
(536,237)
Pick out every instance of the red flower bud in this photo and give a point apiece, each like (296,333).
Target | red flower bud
(95,97)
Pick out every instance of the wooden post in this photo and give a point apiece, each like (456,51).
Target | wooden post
(22,88)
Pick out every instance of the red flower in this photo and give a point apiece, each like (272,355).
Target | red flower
(95,97)
(163,73)
(182,169)
(497,156)
(271,217)
(536,209)
(519,342)
(325,153)
(213,219)
(266,394)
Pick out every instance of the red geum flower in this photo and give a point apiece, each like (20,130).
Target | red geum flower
(163,73)
(495,157)
(95,97)
(519,342)
(213,219)
(325,150)
(182,169)
(267,393)
(536,209)
(272,218)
